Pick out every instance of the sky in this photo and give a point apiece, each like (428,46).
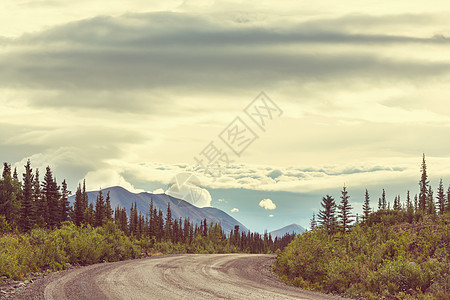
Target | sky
(292,99)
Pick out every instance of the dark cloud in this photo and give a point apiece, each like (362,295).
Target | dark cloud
(100,63)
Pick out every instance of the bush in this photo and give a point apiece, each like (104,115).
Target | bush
(372,261)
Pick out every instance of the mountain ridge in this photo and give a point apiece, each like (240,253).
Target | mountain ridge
(292,228)
(123,198)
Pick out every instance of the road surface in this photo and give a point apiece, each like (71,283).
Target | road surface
(190,276)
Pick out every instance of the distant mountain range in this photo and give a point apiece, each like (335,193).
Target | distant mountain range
(180,208)
(293,228)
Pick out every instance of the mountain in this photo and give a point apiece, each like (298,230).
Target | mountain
(293,228)
(180,208)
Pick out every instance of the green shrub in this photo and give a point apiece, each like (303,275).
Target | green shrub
(402,260)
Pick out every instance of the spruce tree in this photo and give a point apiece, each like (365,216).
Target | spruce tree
(408,200)
(344,213)
(87,212)
(366,206)
(313,222)
(78,207)
(326,216)
(99,209)
(168,224)
(430,206)
(50,191)
(416,203)
(10,196)
(108,209)
(383,200)
(441,199)
(64,203)
(28,209)
(448,200)
(39,201)
(423,184)
(397,204)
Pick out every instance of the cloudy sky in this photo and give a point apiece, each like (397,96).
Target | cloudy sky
(134,94)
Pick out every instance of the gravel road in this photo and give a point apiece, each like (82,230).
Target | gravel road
(190,276)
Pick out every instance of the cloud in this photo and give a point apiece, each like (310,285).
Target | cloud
(158,191)
(234,209)
(267,204)
(186,186)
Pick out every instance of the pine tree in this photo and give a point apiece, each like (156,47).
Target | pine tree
(99,209)
(168,224)
(327,216)
(423,184)
(85,205)
(408,201)
(90,214)
(397,204)
(28,209)
(383,200)
(39,201)
(10,196)
(416,203)
(366,206)
(345,208)
(448,200)
(430,206)
(313,222)
(50,191)
(64,203)
(152,226)
(78,207)
(441,199)
(108,209)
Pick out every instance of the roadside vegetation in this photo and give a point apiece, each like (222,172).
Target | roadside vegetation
(401,252)
(41,231)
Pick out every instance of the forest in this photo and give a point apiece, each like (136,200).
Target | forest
(394,252)
(42,231)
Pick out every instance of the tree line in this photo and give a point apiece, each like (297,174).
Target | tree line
(338,217)
(31,203)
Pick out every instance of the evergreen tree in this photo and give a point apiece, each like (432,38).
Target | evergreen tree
(39,201)
(313,222)
(345,208)
(168,224)
(78,207)
(90,214)
(10,196)
(416,203)
(15,175)
(50,192)
(85,205)
(99,209)
(430,206)
(448,200)
(397,204)
(186,228)
(366,206)
(383,200)
(327,216)
(423,184)
(152,228)
(108,209)
(441,199)
(408,201)
(64,204)
(28,209)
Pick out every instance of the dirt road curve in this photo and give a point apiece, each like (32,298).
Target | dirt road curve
(221,276)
